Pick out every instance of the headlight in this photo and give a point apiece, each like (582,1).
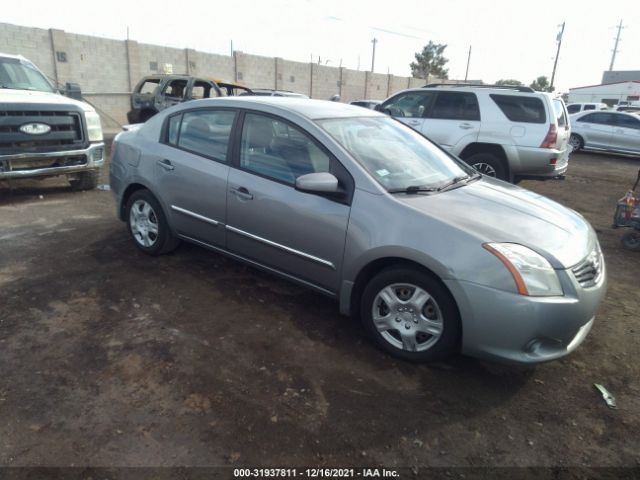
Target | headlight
(533,274)
(94,129)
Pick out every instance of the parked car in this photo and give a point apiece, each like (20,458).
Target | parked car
(610,131)
(580,107)
(506,132)
(157,92)
(43,133)
(366,103)
(267,92)
(433,256)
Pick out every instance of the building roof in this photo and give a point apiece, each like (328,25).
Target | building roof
(605,84)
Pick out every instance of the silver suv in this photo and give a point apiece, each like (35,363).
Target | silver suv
(504,132)
(433,256)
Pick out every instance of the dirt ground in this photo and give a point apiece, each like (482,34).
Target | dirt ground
(112,358)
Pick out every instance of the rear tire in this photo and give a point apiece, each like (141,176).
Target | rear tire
(489,165)
(576,142)
(410,314)
(85,180)
(147,224)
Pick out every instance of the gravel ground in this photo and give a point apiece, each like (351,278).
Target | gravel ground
(113,358)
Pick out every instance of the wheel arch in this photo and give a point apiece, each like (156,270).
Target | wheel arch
(372,268)
(490,148)
(126,195)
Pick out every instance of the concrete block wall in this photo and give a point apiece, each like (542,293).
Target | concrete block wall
(293,76)
(107,70)
(325,82)
(255,71)
(352,85)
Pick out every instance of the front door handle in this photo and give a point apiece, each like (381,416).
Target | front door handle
(466,126)
(166,164)
(242,193)
(413,123)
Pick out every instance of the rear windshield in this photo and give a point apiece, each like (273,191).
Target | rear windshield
(558,107)
(519,108)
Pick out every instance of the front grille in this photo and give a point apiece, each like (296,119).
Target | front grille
(35,163)
(589,271)
(66,131)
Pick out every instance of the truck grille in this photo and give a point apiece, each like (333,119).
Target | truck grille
(66,131)
(589,271)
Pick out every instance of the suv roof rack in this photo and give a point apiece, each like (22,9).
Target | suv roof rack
(519,88)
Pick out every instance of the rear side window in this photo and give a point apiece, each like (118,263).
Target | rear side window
(558,108)
(455,106)
(204,132)
(589,107)
(519,108)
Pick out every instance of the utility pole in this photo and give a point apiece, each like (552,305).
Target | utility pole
(466,74)
(555,63)
(373,54)
(615,48)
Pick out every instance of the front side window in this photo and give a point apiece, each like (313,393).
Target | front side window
(589,107)
(520,108)
(19,74)
(455,106)
(599,118)
(149,86)
(573,108)
(205,132)
(278,150)
(396,156)
(409,104)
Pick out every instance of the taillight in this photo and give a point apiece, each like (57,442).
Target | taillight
(551,138)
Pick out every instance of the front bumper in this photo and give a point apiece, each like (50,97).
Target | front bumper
(513,328)
(28,165)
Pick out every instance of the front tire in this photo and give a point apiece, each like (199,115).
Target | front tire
(631,240)
(410,314)
(488,165)
(147,224)
(575,142)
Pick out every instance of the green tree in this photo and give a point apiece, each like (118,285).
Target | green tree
(509,81)
(430,62)
(541,84)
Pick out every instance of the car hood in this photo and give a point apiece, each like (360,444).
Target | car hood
(8,95)
(494,211)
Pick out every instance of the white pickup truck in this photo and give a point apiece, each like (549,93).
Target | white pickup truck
(43,133)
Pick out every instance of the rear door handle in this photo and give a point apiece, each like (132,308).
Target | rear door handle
(465,126)
(242,193)
(166,164)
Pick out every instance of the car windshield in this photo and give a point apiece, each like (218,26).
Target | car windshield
(398,157)
(19,74)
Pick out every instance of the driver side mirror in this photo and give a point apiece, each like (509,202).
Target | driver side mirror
(319,182)
(72,90)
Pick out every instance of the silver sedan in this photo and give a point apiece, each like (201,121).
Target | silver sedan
(607,131)
(432,256)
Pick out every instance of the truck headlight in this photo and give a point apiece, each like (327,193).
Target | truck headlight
(533,274)
(94,128)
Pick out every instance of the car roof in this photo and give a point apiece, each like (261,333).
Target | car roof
(8,55)
(306,107)
(506,90)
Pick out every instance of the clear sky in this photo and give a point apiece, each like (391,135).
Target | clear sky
(510,39)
